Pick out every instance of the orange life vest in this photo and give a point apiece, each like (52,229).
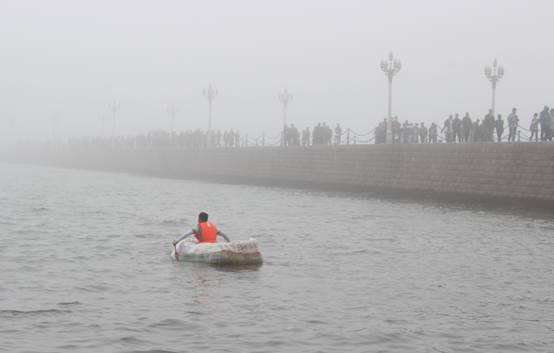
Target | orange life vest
(207,233)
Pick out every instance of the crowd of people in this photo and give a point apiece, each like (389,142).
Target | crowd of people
(456,129)
(192,139)
(321,134)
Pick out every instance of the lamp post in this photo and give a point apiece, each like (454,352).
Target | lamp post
(285,98)
(494,74)
(390,67)
(113,107)
(210,93)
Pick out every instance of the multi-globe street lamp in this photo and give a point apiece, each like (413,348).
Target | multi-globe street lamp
(285,98)
(210,93)
(494,74)
(390,67)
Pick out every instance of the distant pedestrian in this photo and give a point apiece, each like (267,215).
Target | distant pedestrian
(338,134)
(396,130)
(306,137)
(447,129)
(534,127)
(475,131)
(544,122)
(423,133)
(457,129)
(513,122)
(433,133)
(488,126)
(551,125)
(466,127)
(499,126)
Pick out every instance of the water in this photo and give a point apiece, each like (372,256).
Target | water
(85,267)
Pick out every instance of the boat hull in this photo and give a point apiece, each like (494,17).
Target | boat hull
(240,253)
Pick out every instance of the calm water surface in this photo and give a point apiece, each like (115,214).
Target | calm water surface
(85,267)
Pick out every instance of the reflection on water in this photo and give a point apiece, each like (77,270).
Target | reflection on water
(85,267)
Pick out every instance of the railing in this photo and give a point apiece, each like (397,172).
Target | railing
(346,137)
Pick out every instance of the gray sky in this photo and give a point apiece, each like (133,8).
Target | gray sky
(71,58)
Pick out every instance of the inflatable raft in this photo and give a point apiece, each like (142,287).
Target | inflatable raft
(233,253)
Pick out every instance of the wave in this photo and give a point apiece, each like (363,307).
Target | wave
(169,322)
(152,351)
(17,313)
(69,303)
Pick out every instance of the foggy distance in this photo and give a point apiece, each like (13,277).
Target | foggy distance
(70,59)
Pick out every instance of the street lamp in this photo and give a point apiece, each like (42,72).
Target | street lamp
(210,93)
(390,67)
(494,74)
(285,98)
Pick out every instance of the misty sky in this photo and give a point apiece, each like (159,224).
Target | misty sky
(71,58)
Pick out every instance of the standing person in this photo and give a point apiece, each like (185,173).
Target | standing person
(447,129)
(423,133)
(316,132)
(457,129)
(306,137)
(488,126)
(545,122)
(513,122)
(466,127)
(433,133)
(499,125)
(475,131)
(415,133)
(396,128)
(338,134)
(551,124)
(328,137)
(294,136)
(383,132)
(406,132)
(534,127)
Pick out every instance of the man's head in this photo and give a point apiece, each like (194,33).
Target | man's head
(202,217)
(514,110)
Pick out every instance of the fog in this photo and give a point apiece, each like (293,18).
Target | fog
(65,61)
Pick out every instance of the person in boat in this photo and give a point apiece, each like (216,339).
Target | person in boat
(205,232)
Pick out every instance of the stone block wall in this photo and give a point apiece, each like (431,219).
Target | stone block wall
(515,171)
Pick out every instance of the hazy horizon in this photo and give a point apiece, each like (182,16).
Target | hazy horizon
(70,59)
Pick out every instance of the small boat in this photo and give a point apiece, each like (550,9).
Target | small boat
(234,253)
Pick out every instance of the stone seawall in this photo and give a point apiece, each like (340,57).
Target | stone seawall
(506,171)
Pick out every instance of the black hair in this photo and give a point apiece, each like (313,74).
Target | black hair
(203,217)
